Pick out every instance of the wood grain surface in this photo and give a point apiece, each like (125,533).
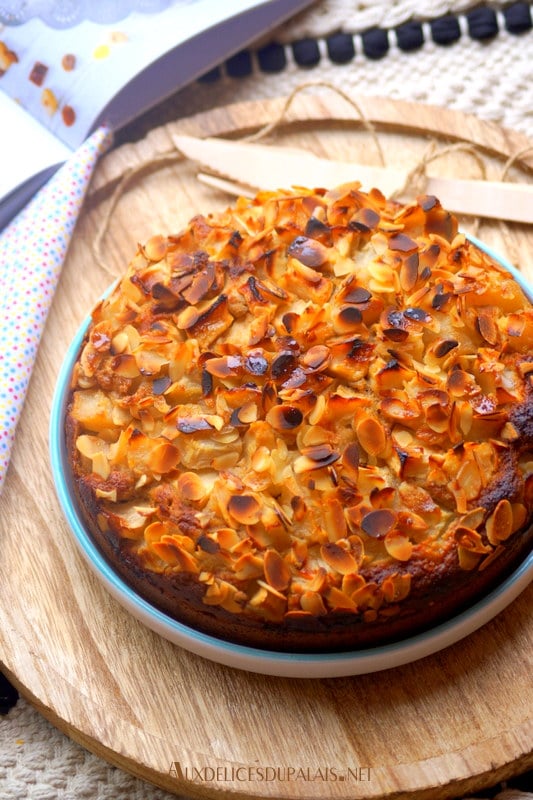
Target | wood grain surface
(451,723)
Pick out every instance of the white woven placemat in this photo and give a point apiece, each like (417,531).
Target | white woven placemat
(492,79)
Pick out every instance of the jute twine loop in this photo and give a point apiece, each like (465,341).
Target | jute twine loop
(302,87)
(511,161)
(414,183)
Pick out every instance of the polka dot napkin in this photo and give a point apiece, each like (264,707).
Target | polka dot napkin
(32,251)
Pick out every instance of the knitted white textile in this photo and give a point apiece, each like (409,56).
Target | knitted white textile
(351,16)
(493,80)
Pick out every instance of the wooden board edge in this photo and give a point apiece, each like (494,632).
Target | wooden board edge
(487,776)
(385,114)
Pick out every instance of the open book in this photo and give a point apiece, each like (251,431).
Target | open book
(58,85)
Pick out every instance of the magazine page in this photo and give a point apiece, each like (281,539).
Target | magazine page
(27,147)
(67,80)
(66,77)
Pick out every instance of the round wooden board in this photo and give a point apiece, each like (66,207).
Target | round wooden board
(449,724)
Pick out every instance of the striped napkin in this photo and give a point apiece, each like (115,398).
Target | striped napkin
(32,252)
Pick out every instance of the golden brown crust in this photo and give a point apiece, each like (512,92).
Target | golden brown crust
(306,423)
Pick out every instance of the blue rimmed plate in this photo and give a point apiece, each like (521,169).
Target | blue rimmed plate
(320,665)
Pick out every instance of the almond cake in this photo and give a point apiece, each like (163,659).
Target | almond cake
(305,423)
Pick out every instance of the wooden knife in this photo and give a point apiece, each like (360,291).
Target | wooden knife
(258,166)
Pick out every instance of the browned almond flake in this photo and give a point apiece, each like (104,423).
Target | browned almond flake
(499,525)
(277,573)
(338,558)
(316,356)
(309,251)
(371,435)
(443,348)
(245,509)
(400,241)
(284,418)
(378,523)
(359,294)
(365,219)
(487,327)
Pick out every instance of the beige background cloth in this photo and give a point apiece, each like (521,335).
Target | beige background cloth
(492,79)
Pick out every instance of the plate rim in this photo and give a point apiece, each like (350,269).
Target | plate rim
(247,658)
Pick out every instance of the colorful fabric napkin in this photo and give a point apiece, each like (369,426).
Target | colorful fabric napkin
(32,251)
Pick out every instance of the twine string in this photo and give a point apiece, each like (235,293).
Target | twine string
(263,132)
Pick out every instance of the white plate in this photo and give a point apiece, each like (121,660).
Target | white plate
(320,665)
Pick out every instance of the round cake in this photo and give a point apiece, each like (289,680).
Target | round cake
(306,423)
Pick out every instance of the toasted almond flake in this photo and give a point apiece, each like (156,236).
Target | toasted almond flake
(468,559)
(499,525)
(225,461)
(334,519)
(357,295)
(396,587)
(398,546)
(284,417)
(469,479)
(125,365)
(411,522)
(372,436)
(351,583)
(277,573)
(337,599)
(379,522)
(400,241)
(271,589)
(348,318)
(487,327)
(176,556)
(306,463)
(509,433)
(248,566)
(299,509)
(156,248)
(245,509)
(100,465)
(163,458)
(318,410)
(191,486)
(119,343)
(470,540)
(227,538)
(198,288)
(400,409)
(313,603)
(409,272)
(308,251)
(437,418)
(316,356)
(350,459)
(402,437)
(473,518)
(247,413)
(338,558)
(444,347)
(261,460)
(187,318)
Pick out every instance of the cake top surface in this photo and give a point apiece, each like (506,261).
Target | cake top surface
(308,401)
